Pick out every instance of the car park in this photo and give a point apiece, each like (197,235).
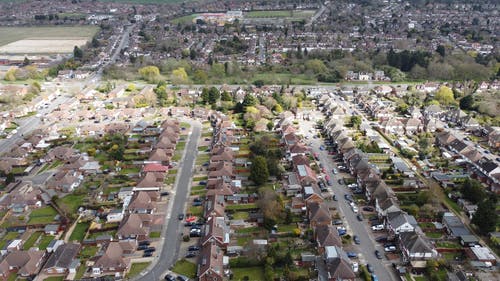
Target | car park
(378,254)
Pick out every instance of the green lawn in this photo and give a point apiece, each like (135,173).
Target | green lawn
(253,229)
(196,210)
(419,278)
(434,234)
(185,268)
(12,277)
(180,145)
(155,234)
(241,215)
(43,215)
(79,231)
(280,14)
(137,268)
(197,187)
(184,19)
(248,206)
(45,241)
(70,203)
(449,244)
(31,241)
(54,278)
(201,178)
(255,273)
(88,251)
(8,237)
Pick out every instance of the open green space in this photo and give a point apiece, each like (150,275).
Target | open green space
(12,34)
(79,232)
(31,241)
(184,19)
(248,273)
(136,268)
(54,278)
(294,14)
(185,268)
(71,202)
(155,234)
(147,1)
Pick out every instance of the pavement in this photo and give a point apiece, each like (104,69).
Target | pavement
(172,233)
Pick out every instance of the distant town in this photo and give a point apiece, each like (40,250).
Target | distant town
(249,140)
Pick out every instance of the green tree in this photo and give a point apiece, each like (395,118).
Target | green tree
(179,76)
(226,96)
(356,121)
(316,66)
(204,95)
(149,73)
(77,53)
(485,217)
(200,76)
(473,191)
(259,172)
(249,100)
(441,50)
(270,125)
(213,95)
(10,75)
(467,102)
(445,96)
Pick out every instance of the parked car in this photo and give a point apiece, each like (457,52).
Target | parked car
(374,277)
(351,255)
(202,183)
(150,249)
(196,204)
(147,254)
(359,217)
(169,277)
(182,278)
(337,222)
(378,255)
(378,227)
(190,255)
(348,197)
(193,248)
(322,147)
(369,268)
(356,239)
(181,216)
(390,249)
(368,209)
(355,267)
(142,247)
(144,243)
(334,171)
(334,197)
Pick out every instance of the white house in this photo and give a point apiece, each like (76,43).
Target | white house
(399,222)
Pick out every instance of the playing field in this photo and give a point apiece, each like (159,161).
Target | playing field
(297,14)
(13,34)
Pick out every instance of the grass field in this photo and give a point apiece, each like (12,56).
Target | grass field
(12,34)
(184,19)
(147,1)
(300,14)
(185,268)
(31,241)
(42,216)
(79,232)
(252,273)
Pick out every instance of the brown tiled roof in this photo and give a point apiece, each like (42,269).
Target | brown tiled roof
(327,235)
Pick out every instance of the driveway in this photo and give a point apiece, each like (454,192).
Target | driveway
(171,234)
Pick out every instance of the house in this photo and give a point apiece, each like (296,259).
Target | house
(386,206)
(392,126)
(24,196)
(142,203)
(151,181)
(326,235)
(312,194)
(111,262)
(61,260)
(24,263)
(306,175)
(51,229)
(494,138)
(482,254)
(318,214)
(216,231)
(412,126)
(54,245)
(65,180)
(135,226)
(211,265)
(415,247)
(399,222)
(454,226)
(340,269)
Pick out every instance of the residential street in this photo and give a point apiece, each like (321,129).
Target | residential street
(171,234)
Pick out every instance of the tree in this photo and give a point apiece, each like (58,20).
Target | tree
(149,73)
(226,96)
(26,61)
(277,108)
(259,172)
(204,95)
(10,178)
(441,50)
(77,53)
(270,125)
(467,102)
(356,121)
(249,100)
(485,217)
(179,76)
(213,95)
(10,75)
(200,76)
(473,191)
(445,96)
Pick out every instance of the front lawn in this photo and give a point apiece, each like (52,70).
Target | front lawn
(248,273)
(137,268)
(79,231)
(155,234)
(185,268)
(196,211)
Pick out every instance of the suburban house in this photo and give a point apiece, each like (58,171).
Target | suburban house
(216,231)
(211,266)
(135,226)
(415,247)
(63,259)
(326,235)
(23,263)
(111,262)
(318,214)
(398,222)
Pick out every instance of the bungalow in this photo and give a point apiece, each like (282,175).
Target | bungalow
(24,263)
(415,247)
(111,262)
(399,222)
(454,226)
(62,259)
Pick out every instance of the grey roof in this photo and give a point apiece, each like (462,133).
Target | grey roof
(415,243)
(397,219)
(455,225)
(63,256)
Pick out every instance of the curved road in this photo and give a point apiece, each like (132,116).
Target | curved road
(171,234)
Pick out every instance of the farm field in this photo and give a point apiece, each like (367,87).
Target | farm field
(300,14)
(12,34)
(148,1)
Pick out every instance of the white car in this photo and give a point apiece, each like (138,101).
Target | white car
(352,185)
(378,227)
(390,249)
(355,209)
(355,267)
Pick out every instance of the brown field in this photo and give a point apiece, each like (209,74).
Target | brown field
(43,46)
